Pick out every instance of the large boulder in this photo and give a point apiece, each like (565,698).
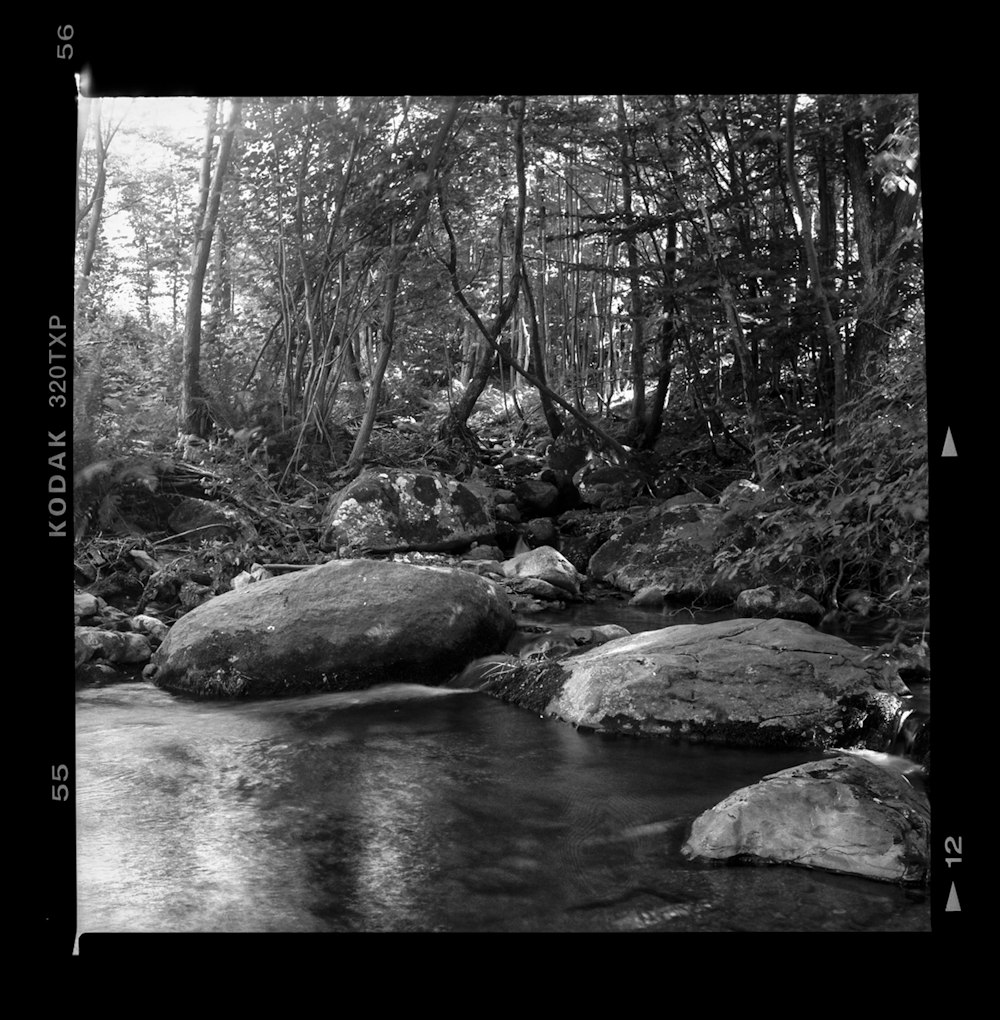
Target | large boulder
(396,511)
(674,549)
(769,683)
(344,625)
(687,550)
(842,814)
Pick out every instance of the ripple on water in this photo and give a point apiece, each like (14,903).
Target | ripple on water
(408,808)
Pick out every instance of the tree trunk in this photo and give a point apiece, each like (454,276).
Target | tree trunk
(654,420)
(635,290)
(552,419)
(882,221)
(397,259)
(741,352)
(457,420)
(102,140)
(194,417)
(833,337)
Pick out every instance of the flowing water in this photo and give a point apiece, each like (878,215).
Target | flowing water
(410,808)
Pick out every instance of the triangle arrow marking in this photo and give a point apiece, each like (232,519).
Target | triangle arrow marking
(953,903)
(949,446)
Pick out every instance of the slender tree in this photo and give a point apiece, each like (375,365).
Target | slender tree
(805,219)
(426,185)
(194,416)
(885,188)
(635,288)
(103,137)
(456,422)
(737,342)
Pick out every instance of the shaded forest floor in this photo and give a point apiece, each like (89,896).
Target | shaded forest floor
(273,486)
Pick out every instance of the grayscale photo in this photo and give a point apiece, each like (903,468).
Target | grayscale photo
(496,513)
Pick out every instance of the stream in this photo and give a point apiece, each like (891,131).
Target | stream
(407,808)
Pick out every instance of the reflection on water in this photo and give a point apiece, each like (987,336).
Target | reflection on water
(632,618)
(407,808)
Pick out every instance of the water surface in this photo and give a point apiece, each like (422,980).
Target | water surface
(408,808)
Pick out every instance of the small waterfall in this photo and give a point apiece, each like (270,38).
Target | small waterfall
(912,736)
(912,739)
(481,671)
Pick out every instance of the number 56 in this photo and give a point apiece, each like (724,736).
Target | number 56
(65,52)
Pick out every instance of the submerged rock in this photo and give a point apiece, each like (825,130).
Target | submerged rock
(841,814)
(344,625)
(773,683)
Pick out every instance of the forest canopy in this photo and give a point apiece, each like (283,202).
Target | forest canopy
(713,285)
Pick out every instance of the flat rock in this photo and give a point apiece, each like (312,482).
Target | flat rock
(535,588)
(767,683)
(841,814)
(343,625)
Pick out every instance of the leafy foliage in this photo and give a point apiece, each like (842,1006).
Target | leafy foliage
(321,189)
(868,528)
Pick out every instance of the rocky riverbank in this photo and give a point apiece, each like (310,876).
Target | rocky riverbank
(435,582)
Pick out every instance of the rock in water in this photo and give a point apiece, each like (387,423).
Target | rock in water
(772,600)
(764,683)
(344,625)
(648,596)
(546,564)
(842,814)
